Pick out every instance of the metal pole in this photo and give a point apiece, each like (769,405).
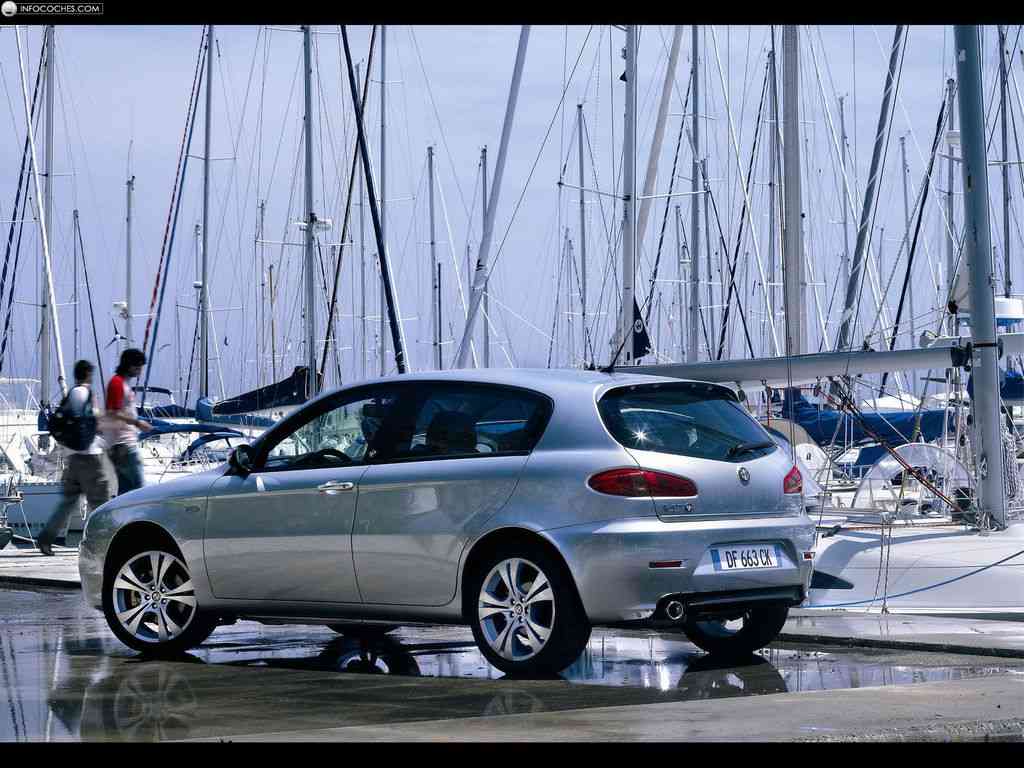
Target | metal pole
(390,297)
(383,184)
(128,264)
(583,232)
(51,302)
(695,186)
(906,248)
(310,267)
(487,315)
(440,355)
(435,293)
(846,213)
(480,275)
(985,403)
(651,176)
(261,347)
(74,256)
(204,293)
(793,277)
(624,339)
(273,324)
(772,189)
(362,270)
(1007,278)
(44,301)
(863,231)
(679,285)
(951,228)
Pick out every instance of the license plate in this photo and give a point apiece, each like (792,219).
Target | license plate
(746,558)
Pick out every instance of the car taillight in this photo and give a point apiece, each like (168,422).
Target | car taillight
(641,482)
(793,482)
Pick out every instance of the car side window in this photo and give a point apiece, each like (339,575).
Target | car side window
(460,420)
(335,434)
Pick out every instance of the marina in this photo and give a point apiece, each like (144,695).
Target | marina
(609,393)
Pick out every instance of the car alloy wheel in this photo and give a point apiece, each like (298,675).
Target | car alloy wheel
(153,597)
(516,609)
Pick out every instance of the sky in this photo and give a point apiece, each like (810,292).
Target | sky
(122,95)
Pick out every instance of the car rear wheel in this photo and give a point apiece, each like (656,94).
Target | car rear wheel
(150,604)
(737,636)
(526,616)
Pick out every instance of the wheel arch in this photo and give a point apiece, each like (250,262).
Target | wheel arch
(134,534)
(496,540)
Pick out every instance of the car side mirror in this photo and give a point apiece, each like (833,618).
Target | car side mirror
(241,459)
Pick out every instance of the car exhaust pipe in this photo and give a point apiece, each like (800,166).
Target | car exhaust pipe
(674,610)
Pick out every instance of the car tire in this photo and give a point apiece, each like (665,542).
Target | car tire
(363,631)
(760,625)
(155,616)
(540,630)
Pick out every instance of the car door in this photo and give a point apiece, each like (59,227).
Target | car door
(283,532)
(454,462)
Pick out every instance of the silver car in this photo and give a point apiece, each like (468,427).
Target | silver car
(531,505)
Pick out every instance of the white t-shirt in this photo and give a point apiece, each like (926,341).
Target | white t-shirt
(77,398)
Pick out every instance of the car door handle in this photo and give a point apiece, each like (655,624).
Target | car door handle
(334,486)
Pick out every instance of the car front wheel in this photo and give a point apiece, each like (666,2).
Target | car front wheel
(737,636)
(526,616)
(150,604)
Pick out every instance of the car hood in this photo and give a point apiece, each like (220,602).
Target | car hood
(191,485)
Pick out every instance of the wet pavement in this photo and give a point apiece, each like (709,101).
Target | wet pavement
(63,676)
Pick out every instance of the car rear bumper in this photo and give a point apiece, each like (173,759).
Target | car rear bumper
(623,569)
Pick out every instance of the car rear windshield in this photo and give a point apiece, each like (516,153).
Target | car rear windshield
(699,420)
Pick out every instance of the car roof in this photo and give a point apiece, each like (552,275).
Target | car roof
(550,381)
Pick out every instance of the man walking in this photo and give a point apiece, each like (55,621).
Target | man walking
(123,422)
(85,470)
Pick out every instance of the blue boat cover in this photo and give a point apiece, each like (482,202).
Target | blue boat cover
(895,427)
(1011,385)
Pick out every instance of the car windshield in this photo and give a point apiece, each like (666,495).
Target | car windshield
(686,419)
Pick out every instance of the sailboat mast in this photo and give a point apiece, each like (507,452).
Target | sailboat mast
(310,216)
(625,337)
(50,301)
(435,294)
(773,161)
(950,229)
(487,314)
(204,292)
(695,186)
(480,274)
(583,232)
(906,245)
(793,278)
(863,233)
(977,245)
(129,189)
(1007,278)
(44,301)
(383,183)
(846,208)
(362,268)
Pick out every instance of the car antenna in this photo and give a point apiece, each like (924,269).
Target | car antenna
(610,368)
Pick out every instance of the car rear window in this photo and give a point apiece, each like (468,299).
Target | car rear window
(699,420)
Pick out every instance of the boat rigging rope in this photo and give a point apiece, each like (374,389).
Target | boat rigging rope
(176,191)
(745,214)
(88,290)
(16,218)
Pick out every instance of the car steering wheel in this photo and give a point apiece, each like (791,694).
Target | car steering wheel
(311,458)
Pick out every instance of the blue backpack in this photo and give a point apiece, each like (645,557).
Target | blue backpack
(73,431)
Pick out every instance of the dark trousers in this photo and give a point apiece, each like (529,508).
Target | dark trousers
(84,475)
(127,463)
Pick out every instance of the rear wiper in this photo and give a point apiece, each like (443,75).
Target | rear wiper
(736,450)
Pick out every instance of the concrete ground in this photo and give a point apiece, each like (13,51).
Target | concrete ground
(64,677)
